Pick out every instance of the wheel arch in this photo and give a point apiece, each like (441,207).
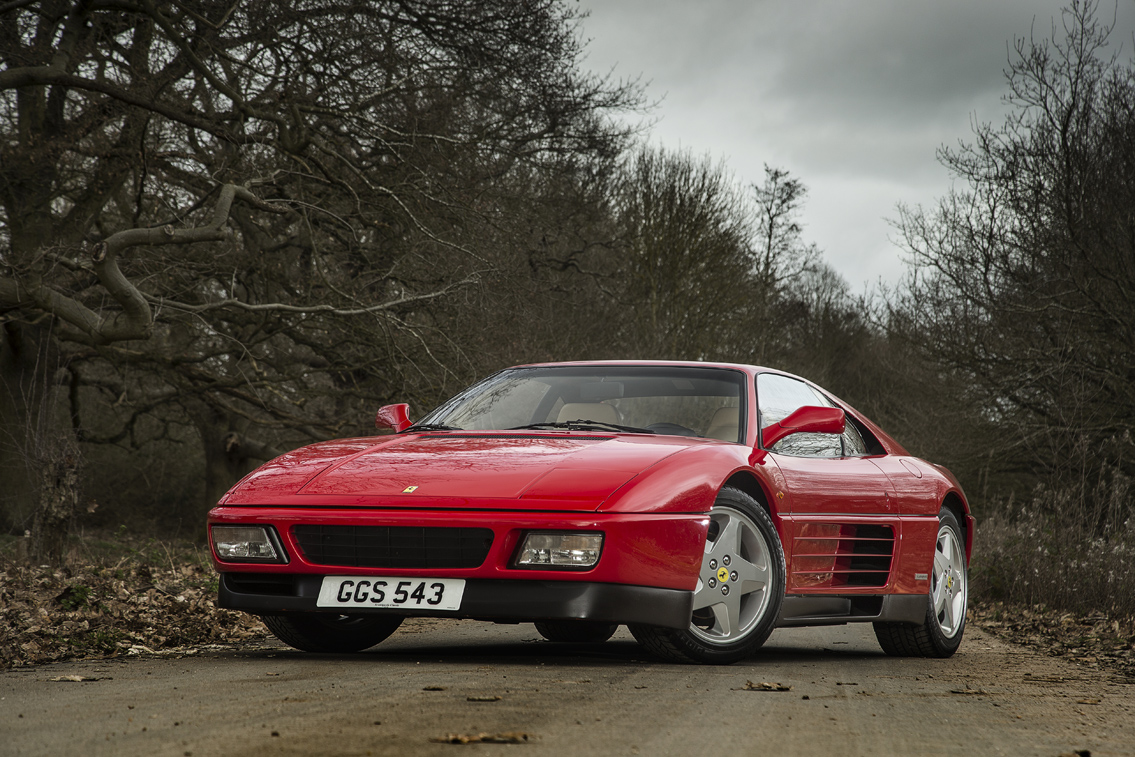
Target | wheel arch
(955,504)
(748,483)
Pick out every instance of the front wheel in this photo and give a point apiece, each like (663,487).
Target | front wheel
(940,634)
(739,591)
(327,632)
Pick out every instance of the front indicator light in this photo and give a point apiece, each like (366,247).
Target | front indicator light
(246,544)
(560,550)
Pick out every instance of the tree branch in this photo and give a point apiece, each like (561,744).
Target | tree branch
(329,309)
(135,321)
(32,76)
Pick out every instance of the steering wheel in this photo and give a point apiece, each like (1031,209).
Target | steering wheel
(671,429)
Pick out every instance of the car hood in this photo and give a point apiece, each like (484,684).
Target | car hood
(546,471)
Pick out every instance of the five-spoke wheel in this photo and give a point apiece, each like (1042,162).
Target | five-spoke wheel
(739,591)
(940,634)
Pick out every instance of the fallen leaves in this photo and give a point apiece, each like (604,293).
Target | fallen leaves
(78,679)
(1091,639)
(766,686)
(90,611)
(509,737)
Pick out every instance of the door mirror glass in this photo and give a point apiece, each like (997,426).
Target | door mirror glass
(810,418)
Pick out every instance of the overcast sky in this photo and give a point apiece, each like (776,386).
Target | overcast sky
(852,97)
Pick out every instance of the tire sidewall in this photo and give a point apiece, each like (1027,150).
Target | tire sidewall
(328,633)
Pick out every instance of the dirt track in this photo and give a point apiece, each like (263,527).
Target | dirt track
(436,678)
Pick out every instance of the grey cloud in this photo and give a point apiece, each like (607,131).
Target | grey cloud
(855,97)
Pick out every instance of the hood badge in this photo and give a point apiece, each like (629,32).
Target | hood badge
(409,490)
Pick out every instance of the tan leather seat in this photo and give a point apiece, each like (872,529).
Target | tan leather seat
(724,425)
(588,411)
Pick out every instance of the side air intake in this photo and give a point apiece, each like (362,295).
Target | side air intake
(834,555)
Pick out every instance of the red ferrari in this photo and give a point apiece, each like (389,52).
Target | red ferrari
(702,505)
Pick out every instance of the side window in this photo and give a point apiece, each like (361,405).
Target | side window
(777,397)
(853,444)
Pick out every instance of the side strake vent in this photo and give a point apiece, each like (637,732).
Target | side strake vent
(831,555)
(393,546)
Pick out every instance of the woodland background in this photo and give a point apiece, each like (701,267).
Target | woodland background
(232,227)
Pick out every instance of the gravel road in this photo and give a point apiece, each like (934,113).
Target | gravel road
(436,679)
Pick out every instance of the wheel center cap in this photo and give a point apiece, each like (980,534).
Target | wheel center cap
(723,575)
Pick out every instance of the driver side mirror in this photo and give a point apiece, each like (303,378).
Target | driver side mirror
(396,417)
(821,420)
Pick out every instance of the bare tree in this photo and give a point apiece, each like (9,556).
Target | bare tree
(684,255)
(1023,280)
(252,216)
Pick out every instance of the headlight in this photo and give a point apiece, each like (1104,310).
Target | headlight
(561,550)
(247,544)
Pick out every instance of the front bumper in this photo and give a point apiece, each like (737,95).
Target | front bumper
(484,599)
(659,550)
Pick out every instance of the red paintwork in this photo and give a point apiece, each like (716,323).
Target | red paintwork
(821,420)
(396,417)
(649,495)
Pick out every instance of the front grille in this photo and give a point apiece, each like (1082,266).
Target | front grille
(393,546)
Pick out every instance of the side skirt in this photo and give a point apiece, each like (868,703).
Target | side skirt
(836,610)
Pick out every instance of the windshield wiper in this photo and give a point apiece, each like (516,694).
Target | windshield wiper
(584,425)
(429,427)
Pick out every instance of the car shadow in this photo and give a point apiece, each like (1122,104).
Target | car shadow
(535,652)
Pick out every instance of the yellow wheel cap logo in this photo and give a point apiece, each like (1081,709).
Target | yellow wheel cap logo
(409,490)
(723,575)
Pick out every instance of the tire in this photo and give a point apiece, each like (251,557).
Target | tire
(940,634)
(577,631)
(327,632)
(732,618)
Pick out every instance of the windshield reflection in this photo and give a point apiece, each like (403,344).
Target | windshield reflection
(668,400)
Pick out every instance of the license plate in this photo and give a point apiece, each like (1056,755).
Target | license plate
(382,591)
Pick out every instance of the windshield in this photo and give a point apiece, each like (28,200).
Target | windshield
(674,400)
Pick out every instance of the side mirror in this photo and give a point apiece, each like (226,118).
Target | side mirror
(821,420)
(396,417)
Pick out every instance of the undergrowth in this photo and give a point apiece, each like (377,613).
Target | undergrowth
(1066,550)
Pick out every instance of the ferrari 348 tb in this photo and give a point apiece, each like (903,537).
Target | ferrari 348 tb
(702,505)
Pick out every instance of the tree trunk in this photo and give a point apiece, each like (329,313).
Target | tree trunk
(228,455)
(58,500)
(23,395)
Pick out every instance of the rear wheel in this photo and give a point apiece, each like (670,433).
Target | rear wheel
(579,631)
(940,634)
(327,632)
(739,591)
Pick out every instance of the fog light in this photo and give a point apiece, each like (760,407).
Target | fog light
(245,544)
(560,550)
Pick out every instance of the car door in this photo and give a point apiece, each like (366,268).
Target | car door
(825,473)
(840,503)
